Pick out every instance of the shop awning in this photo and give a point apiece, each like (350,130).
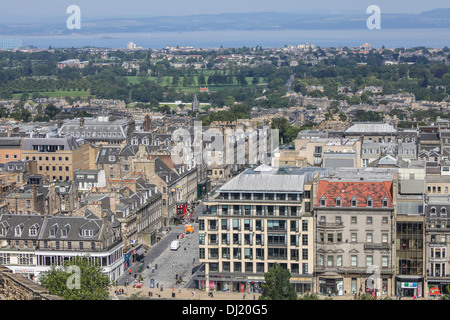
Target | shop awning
(140,251)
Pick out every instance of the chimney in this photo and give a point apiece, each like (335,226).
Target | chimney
(112,203)
(33,195)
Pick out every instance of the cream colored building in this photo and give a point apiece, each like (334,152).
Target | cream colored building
(57,158)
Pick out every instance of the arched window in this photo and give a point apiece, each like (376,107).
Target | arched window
(354,202)
(433,211)
(134,141)
(443,211)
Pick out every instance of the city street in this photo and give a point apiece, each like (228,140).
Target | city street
(164,263)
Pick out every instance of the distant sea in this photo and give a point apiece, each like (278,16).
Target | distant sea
(390,38)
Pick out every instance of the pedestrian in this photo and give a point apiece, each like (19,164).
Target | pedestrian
(193,293)
(243,297)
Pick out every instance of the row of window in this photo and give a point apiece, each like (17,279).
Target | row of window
(253,224)
(354,201)
(94,134)
(47,168)
(7,156)
(337,238)
(337,260)
(264,196)
(259,253)
(249,210)
(259,267)
(354,219)
(68,244)
(250,239)
(33,231)
(437,189)
(47,158)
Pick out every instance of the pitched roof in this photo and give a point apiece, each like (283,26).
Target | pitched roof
(371,127)
(347,190)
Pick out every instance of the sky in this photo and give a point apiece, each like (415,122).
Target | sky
(19,11)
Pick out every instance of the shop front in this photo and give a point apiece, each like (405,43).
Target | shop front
(409,287)
(27,273)
(435,288)
(302,285)
(225,283)
(331,286)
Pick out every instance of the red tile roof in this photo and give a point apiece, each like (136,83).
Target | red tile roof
(361,190)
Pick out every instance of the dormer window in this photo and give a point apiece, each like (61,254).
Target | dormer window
(53,230)
(87,233)
(323,201)
(354,202)
(134,141)
(33,231)
(18,230)
(369,202)
(2,232)
(65,231)
(385,202)
(338,201)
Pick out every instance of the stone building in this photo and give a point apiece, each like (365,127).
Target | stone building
(354,232)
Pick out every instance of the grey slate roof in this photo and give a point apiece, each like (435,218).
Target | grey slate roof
(371,127)
(68,143)
(10,221)
(108,155)
(268,179)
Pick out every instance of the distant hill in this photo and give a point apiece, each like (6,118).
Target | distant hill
(437,18)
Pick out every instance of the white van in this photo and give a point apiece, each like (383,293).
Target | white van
(175,245)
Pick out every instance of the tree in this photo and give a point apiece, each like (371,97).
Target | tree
(287,132)
(277,285)
(93,283)
(52,111)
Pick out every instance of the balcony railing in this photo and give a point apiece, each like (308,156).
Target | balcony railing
(376,246)
(324,224)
